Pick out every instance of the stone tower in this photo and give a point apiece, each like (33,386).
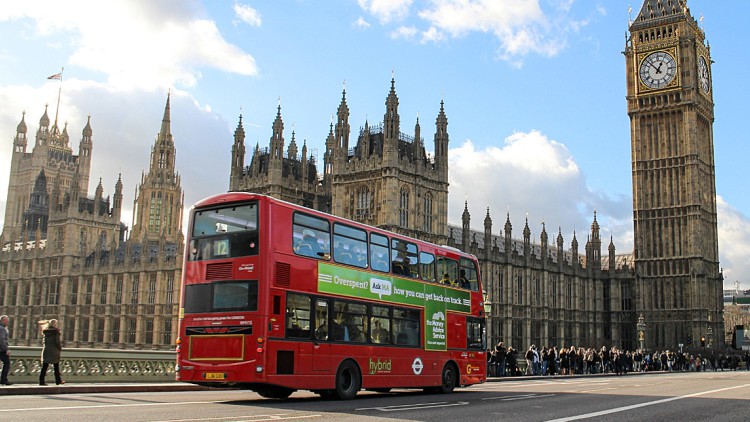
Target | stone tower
(387,179)
(158,205)
(671,109)
(291,177)
(50,162)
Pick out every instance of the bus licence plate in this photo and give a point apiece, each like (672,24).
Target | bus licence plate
(215,375)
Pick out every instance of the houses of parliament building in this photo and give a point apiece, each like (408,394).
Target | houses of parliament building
(75,259)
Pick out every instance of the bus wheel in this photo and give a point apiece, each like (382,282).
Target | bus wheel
(348,380)
(327,394)
(273,392)
(449,378)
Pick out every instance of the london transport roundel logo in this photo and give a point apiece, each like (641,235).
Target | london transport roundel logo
(417,366)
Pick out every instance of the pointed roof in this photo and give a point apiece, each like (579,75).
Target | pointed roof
(661,11)
(21,128)
(166,121)
(44,121)
(87,132)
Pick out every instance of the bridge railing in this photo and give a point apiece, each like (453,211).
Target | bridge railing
(94,365)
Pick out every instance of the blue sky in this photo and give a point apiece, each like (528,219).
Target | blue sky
(534,92)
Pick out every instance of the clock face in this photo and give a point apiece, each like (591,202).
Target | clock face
(703,78)
(658,70)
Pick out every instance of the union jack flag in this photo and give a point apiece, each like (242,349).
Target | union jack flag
(55,76)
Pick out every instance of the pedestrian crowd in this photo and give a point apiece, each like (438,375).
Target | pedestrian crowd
(502,361)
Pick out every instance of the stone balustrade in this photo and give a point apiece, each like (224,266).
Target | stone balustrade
(82,365)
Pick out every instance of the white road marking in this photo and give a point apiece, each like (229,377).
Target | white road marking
(416,406)
(526,398)
(651,403)
(517,397)
(249,418)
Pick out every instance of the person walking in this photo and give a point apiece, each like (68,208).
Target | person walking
(51,350)
(4,351)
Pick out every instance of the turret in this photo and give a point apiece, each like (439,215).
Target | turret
(544,242)
(117,200)
(292,150)
(574,249)
(441,140)
(612,262)
(596,245)
(342,126)
(20,141)
(487,233)
(277,139)
(508,230)
(526,239)
(392,125)
(466,223)
(560,246)
(238,156)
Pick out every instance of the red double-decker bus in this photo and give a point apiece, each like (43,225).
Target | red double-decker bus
(277,298)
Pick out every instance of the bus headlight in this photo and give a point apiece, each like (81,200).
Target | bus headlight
(177,368)
(259,369)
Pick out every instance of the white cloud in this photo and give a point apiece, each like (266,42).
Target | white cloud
(361,23)
(432,35)
(386,10)
(521,27)
(404,32)
(136,44)
(247,14)
(734,244)
(532,175)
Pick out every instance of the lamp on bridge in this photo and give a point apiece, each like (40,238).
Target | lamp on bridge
(641,326)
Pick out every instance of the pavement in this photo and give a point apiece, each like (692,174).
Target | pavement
(102,387)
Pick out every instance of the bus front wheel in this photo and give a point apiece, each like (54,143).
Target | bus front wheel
(348,380)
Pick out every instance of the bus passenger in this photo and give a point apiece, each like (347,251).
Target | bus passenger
(360,259)
(446,279)
(309,245)
(462,281)
(401,261)
(380,334)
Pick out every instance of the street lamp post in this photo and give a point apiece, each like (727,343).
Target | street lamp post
(641,326)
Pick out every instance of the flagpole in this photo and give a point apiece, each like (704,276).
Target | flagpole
(59,92)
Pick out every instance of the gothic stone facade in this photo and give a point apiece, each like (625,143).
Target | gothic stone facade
(68,256)
(386,179)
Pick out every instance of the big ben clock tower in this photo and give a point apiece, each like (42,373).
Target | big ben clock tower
(670,104)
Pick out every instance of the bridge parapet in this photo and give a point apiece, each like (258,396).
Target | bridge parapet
(94,365)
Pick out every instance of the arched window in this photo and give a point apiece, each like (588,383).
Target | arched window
(403,208)
(428,213)
(363,203)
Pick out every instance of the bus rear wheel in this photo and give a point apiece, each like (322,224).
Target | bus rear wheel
(447,381)
(274,392)
(348,380)
(449,378)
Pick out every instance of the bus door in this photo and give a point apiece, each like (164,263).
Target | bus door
(321,337)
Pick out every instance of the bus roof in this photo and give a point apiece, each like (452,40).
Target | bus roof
(231,197)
